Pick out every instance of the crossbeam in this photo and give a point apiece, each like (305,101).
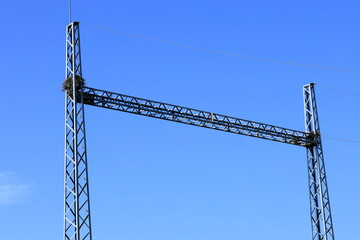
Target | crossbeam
(170,112)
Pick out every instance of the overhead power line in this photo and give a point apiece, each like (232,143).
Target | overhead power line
(339,90)
(69,8)
(342,139)
(219,51)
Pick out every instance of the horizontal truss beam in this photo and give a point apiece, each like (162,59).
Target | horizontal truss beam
(170,112)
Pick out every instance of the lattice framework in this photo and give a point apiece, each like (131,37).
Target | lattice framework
(77,224)
(320,212)
(77,220)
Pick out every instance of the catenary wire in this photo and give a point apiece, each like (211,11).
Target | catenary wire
(346,92)
(341,139)
(69,9)
(338,90)
(218,51)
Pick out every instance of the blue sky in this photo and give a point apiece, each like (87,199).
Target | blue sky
(151,179)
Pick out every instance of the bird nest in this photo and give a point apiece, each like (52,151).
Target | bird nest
(68,83)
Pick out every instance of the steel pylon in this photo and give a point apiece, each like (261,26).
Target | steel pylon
(77,224)
(320,212)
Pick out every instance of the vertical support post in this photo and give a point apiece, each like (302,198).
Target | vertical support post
(77,224)
(320,212)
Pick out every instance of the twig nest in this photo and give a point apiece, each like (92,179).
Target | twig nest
(68,83)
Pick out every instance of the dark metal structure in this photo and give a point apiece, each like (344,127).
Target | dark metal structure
(77,200)
(320,212)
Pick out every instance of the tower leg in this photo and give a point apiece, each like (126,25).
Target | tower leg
(320,212)
(77,224)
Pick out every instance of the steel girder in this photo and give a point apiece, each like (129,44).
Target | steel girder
(77,224)
(170,112)
(320,212)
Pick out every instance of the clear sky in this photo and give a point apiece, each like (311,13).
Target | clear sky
(158,180)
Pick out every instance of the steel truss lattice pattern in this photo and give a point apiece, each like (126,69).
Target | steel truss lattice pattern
(77,199)
(77,225)
(170,112)
(320,212)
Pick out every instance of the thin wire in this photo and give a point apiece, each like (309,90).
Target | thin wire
(70,11)
(346,92)
(219,51)
(339,90)
(342,139)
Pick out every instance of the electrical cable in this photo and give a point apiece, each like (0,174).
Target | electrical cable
(346,92)
(339,90)
(341,139)
(219,51)
(70,10)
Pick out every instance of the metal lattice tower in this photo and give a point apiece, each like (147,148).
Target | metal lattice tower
(77,200)
(320,212)
(77,224)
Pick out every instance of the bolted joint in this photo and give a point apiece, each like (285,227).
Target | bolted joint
(88,98)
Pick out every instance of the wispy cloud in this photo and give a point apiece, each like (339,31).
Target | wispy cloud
(11,188)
